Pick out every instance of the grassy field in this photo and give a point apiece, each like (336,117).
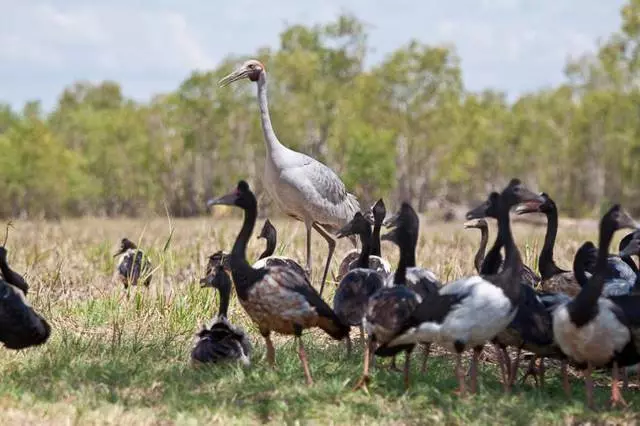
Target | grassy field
(118,360)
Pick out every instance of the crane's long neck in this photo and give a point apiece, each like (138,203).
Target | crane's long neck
(375,239)
(273,144)
(271,245)
(546,264)
(484,239)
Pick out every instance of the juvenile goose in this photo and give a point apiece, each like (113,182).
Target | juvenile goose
(267,258)
(359,284)
(222,341)
(276,298)
(20,325)
(591,329)
(132,265)
(375,215)
(10,275)
(390,307)
(469,312)
(482,225)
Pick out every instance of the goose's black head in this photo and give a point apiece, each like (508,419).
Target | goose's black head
(617,218)
(586,256)
(547,207)
(216,259)
(489,208)
(125,244)
(405,225)
(517,193)
(241,197)
(357,226)
(268,230)
(218,279)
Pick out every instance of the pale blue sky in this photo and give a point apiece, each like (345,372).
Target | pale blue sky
(151,46)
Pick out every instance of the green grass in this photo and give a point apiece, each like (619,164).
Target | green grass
(114,359)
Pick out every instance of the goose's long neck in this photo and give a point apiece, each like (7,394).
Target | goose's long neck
(225,292)
(271,246)
(365,240)
(239,251)
(375,240)
(546,264)
(512,260)
(491,262)
(590,293)
(399,278)
(484,239)
(273,144)
(6,271)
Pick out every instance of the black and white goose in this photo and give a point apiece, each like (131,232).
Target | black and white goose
(133,265)
(222,341)
(374,216)
(590,329)
(531,328)
(276,298)
(390,307)
(469,312)
(359,284)
(267,257)
(20,325)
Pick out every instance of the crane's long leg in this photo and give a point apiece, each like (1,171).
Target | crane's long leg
(308,226)
(332,246)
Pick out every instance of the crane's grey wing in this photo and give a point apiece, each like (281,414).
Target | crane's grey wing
(325,195)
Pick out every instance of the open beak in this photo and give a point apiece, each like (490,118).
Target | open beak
(226,200)
(528,207)
(391,221)
(472,223)
(238,74)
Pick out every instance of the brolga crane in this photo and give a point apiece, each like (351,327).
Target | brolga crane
(301,186)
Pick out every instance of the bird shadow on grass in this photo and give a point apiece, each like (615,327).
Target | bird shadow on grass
(160,376)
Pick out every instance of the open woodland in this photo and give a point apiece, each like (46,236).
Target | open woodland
(101,166)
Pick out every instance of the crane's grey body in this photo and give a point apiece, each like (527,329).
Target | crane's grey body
(301,186)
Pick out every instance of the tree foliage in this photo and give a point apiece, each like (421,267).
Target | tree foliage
(403,129)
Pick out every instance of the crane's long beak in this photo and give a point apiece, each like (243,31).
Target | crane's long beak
(238,74)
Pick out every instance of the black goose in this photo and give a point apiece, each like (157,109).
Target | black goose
(359,284)
(222,341)
(267,258)
(132,265)
(421,280)
(390,307)
(469,312)
(593,330)
(276,298)
(20,325)
(375,216)
(10,275)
